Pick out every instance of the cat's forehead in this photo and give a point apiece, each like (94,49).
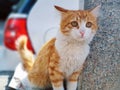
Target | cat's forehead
(79,14)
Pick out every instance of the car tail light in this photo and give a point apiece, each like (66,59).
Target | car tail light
(14,28)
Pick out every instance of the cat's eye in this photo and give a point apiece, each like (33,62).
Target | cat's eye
(88,24)
(74,23)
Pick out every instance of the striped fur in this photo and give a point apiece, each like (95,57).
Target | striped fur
(26,55)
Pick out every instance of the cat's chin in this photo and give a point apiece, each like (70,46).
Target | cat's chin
(86,40)
(79,39)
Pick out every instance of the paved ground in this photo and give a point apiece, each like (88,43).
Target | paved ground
(5,77)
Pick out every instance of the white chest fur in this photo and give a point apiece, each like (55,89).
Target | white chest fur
(72,54)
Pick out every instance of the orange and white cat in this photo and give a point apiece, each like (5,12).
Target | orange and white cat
(63,56)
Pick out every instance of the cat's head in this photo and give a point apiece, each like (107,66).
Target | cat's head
(81,25)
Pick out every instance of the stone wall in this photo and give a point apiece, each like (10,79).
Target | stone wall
(102,67)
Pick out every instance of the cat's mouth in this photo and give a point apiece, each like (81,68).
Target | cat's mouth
(80,37)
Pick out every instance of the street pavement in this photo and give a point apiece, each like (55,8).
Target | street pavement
(5,77)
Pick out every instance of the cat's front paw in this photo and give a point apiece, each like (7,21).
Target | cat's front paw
(72,85)
(58,88)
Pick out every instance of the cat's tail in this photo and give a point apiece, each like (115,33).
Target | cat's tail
(26,55)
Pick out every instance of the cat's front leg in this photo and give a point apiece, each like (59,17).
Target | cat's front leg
(72,80)
(56,78)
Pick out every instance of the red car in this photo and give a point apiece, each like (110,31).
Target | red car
(16,24)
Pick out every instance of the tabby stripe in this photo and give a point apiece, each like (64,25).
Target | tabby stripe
(75,73)
(72,80)
(57,80)
(60,73)
(65,31)
(52,69)
(74,76)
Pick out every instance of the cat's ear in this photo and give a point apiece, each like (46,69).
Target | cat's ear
(60,9)
(96,11)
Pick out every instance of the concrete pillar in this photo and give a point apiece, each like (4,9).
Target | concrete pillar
(102,67)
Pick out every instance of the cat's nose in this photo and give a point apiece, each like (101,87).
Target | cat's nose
(82,32)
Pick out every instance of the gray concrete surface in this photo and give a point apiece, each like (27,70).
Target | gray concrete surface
(102,67)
